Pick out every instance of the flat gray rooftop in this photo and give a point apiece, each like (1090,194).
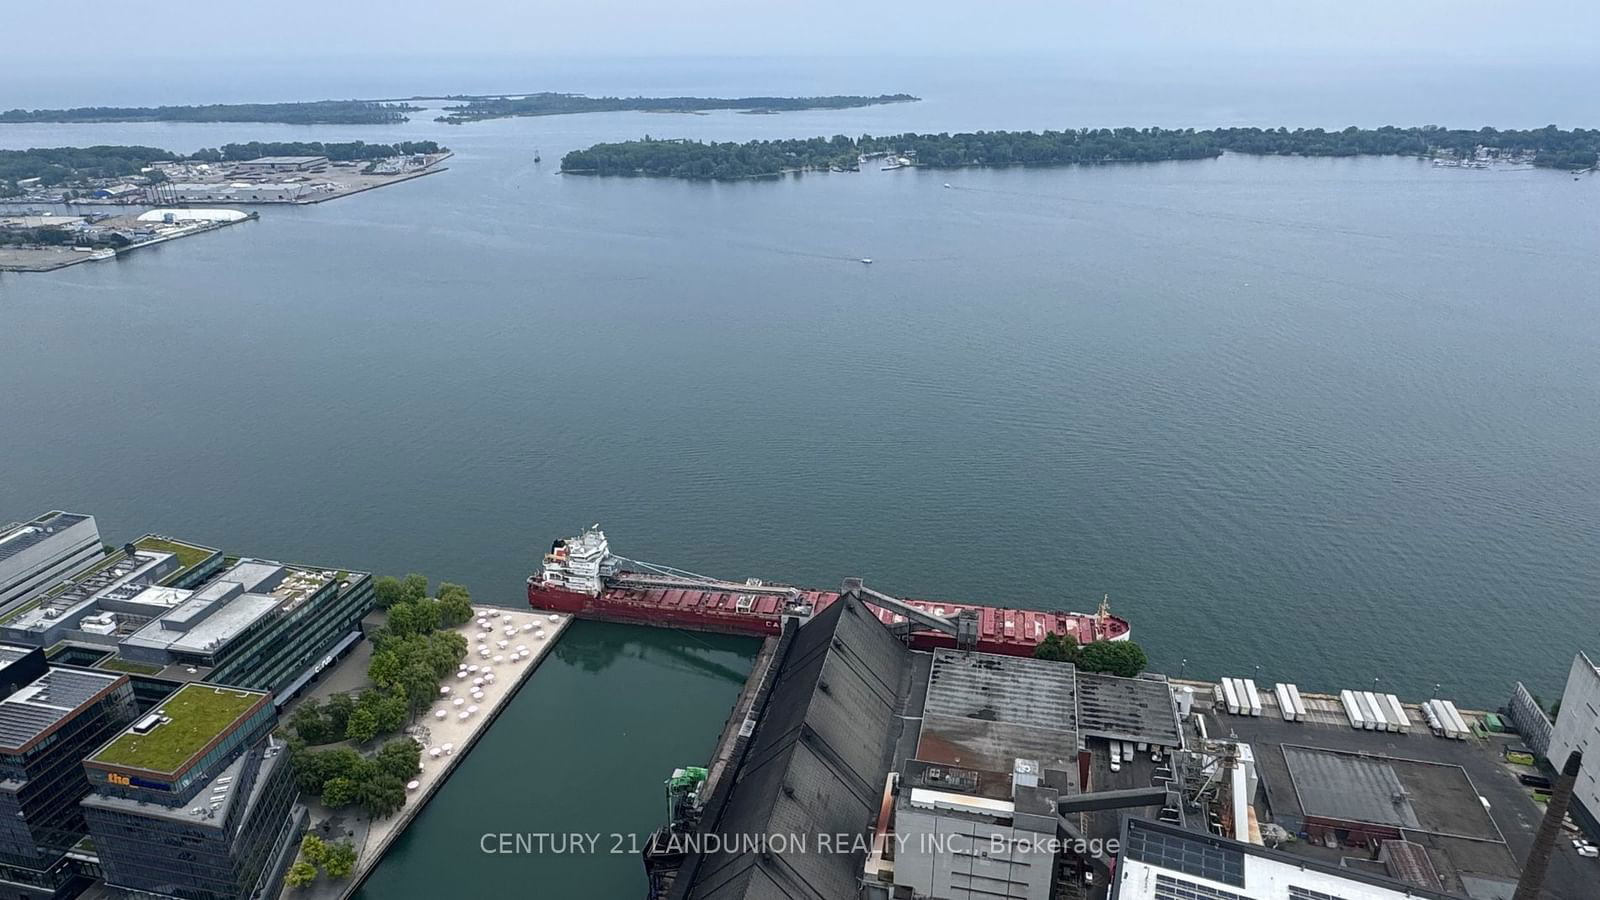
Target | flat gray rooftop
(217,613)
(23,535)
(985,711)
(1127,709)
(1416,795)
(1352,788)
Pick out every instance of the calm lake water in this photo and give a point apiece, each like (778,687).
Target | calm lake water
(1335,418)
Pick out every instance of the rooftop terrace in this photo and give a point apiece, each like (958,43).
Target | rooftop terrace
(198,713)
(189,555)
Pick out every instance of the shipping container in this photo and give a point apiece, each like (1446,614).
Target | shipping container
(1232,695)
(1299,703)
(1400,718)
(1462,729)
(1285,702)
(1351,710)
(1380,715)
(1252,697)
(1368,723)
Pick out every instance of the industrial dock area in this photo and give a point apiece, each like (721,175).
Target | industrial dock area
(177,199)
(956,774)
(876,751)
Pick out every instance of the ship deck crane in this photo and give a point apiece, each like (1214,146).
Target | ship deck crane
(964,627)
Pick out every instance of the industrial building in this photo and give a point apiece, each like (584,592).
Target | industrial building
(1165,862)
(952,774)
(1436,813)
(195,800)
(1578,728)
(280,164)
(231,192)
(51,717)
(35,555)
(959,775)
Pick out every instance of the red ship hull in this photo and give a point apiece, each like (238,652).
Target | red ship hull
(1013,632)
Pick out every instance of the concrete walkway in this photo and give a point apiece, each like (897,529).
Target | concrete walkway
(537,632)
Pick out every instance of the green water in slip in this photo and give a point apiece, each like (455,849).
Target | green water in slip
(1333,417)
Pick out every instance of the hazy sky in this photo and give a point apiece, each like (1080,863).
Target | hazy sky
(117,31)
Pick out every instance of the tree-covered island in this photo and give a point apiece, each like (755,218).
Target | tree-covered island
(314,112)
(555,104)
(1549,147)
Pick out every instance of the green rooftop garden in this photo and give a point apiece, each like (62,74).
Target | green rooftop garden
(199,712)
(118,664)
(188,555)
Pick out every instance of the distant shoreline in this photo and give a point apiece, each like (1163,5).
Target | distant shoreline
(1576,151)
(468,108)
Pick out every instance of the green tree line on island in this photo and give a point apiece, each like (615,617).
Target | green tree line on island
(314,112)
(346,151)
(1550,146)
(557,104)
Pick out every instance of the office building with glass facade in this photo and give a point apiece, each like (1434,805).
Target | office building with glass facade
(195,800)
(51,717)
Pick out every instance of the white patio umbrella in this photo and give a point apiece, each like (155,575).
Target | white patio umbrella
(499,658)
(413,785)
(457,701)
(439,714)
(473,708)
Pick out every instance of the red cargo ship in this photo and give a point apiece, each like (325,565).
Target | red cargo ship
(581,576)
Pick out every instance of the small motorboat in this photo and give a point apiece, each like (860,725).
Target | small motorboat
(866,260)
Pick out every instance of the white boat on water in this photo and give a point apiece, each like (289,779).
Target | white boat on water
(866,260)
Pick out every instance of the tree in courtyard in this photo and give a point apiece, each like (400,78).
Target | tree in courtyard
(1057,648)
(420,684)
(363,725)
(338,709)
(389,709)
(385,668)
(308,722)
(382,795)
(337,792)
(455,605)
(414,586)
(399,758)
(445,649)
(388,591)
(300,875)
(313,850)
(1123,658)
(340,860)
(412,617)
